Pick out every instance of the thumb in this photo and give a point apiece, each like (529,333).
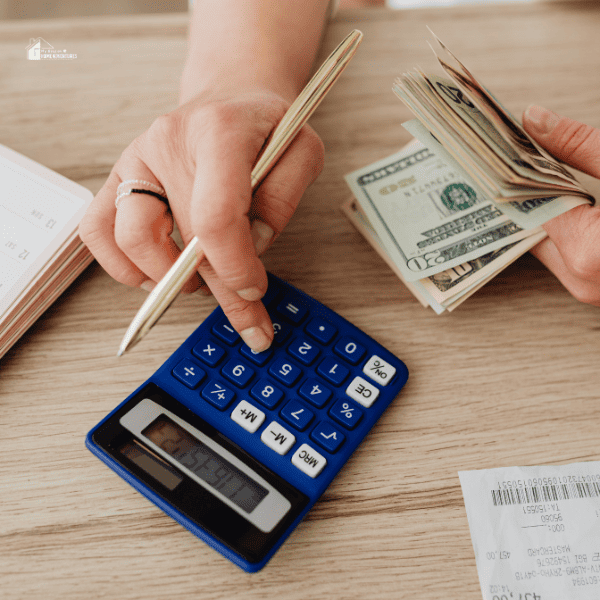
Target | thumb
(571,142)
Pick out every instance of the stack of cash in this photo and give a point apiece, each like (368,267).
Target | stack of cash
(464,199)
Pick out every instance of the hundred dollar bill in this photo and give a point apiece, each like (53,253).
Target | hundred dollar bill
(428,216)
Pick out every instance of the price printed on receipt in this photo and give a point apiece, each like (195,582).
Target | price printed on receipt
(237,446)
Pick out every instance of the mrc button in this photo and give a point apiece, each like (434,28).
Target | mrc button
(308,460)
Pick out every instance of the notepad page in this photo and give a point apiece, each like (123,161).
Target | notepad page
(39,210)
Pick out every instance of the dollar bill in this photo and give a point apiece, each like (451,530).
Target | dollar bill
(428,216)
(446,290)
(527,214)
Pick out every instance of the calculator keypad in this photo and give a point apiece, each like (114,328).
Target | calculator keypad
(308,392)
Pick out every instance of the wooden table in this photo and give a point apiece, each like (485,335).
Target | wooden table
(510,378)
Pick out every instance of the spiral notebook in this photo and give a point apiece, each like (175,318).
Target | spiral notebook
(40,251)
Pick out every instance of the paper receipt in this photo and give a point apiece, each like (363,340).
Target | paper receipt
(536,531)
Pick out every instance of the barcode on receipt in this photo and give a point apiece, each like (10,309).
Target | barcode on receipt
(546,493)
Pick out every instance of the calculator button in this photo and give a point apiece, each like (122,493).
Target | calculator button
(218,395)
(305,352)
(346,414)
(296,415)
(278,438)
(208,352)
(308,460)
(327,436)
(189,373)
(285,372)
(271,294)
(315,392)
(224,331)
(238,373)
(282,332)
(349,349)
(321,330)
(333,371)
(291,308)
(266,393)
(379,370)
(362,391)
(248,416)
(258,358)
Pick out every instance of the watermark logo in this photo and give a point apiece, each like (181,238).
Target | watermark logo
(40,49)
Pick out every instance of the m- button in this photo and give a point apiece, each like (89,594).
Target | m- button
(308,460)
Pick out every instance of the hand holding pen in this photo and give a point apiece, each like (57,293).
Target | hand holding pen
(201,157)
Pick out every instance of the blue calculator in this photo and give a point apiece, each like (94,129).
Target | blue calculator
(237,446)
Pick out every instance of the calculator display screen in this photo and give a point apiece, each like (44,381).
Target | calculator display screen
(205,463)
(152,464)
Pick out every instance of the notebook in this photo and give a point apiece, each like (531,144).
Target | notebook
(40,251)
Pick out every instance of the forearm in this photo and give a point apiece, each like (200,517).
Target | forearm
(250,44)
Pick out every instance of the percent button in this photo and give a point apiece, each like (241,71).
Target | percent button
(346,413)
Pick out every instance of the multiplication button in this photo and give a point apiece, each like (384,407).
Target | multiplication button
(379,370)
(308,460)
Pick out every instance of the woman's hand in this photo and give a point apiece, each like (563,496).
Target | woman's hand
(202,154)
(572,250)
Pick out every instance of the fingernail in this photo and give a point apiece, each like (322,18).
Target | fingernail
(148,285)
(541,119)
(251,294)
(256,339)
(262,235)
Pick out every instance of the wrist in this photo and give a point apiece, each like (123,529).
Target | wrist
(197,81)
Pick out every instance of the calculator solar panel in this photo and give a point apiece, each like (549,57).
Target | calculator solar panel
(237,446)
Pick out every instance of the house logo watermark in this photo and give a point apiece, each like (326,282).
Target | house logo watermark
(40,49)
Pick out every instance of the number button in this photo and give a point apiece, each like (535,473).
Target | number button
(218,395)
(189,373)
(266,393)
(238,373)
(321,330)
(333,371)
(379,370)
(259,358)
(285,372)
(248,416)
(291,308)
(208,352)
(327,436)
(315,392)
(282,332)
(350,350)
(296,415)
(305,352)
(346,413)
(224,331)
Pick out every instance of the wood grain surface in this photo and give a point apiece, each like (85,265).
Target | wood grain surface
(510,378)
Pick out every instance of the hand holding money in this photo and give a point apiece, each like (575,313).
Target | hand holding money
(572,250)
(468,196)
